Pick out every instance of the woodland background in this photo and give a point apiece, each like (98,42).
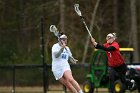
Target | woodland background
(20,27)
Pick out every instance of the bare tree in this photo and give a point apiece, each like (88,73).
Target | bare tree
(91,28)
(115,12)
(62,6)
(134,29)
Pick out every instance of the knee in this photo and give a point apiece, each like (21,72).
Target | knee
(67,84)
(69,80)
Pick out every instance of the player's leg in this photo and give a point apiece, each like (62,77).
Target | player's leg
(122,73)
(112,74)
(69,78)
(65,82)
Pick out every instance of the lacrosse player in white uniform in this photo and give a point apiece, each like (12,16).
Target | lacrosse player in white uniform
(60,66)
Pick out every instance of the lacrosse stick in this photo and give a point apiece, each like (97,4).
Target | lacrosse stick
(54,30)
(56,33)
(76,6)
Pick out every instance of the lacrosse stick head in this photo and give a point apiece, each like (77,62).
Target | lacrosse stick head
(54,30)
(76,6)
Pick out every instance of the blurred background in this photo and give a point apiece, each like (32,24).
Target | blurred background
(22,21)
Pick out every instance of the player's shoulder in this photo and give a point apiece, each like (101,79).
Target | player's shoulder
(55,45)
(67,48)
(115,43)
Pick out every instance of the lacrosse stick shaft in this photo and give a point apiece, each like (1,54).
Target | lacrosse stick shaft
(76,6)
(86,27)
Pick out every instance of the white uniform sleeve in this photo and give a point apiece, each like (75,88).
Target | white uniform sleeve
(55,48)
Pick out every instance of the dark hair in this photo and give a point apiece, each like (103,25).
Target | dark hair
(61,33)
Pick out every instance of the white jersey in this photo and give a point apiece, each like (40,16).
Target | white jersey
(60,64)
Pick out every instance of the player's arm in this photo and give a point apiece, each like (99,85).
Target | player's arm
(111,48)
(72,60)
(57,53)
(98,46)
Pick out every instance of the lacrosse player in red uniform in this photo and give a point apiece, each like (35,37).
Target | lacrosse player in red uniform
(115,61)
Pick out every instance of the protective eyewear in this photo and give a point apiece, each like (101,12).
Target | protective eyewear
(63,39)
(108,37)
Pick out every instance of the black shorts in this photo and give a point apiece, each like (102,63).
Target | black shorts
(121,69)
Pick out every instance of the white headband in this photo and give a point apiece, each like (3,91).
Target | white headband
(111,35)
(63,36)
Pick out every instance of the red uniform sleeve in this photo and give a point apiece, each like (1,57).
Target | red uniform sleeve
(116,45)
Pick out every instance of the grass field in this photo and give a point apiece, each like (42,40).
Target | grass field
(52,89)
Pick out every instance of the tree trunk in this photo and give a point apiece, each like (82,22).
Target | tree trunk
(134,29)
(62,6)
(21,25)
(91,28)
(115,12)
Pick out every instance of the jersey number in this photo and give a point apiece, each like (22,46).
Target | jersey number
(64,56)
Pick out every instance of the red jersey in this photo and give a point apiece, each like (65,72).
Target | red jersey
(114,57)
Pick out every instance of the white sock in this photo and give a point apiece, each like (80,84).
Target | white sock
(80,91)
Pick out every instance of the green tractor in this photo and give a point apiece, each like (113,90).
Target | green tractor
(98,77)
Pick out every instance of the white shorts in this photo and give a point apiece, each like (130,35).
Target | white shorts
(60,71)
